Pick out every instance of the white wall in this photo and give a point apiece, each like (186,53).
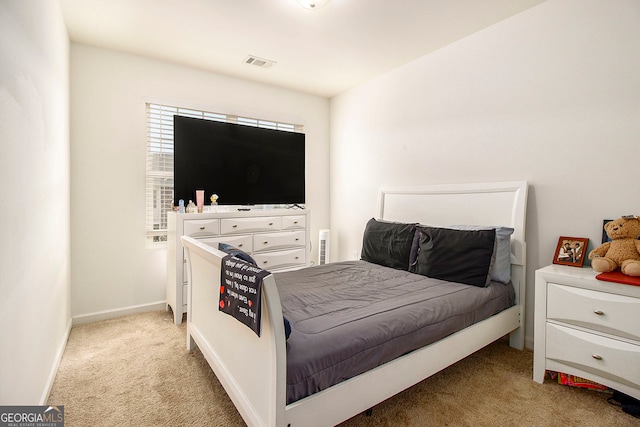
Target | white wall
(111,267)
(35,316)
(551,96)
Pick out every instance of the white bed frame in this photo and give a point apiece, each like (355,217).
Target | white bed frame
(252,369)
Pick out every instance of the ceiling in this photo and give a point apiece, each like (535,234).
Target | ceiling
(322,52)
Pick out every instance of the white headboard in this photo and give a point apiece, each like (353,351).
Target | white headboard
(493,203)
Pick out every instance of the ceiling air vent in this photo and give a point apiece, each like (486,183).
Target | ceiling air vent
(259,62)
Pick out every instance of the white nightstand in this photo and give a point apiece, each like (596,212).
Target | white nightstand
(587,327)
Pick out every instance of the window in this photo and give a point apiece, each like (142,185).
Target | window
(160,160)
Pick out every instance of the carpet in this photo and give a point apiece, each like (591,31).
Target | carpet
(136,371)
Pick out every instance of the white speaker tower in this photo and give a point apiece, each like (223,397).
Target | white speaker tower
(323,247)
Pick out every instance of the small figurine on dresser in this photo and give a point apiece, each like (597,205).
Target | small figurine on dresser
(623,251)
(191,207)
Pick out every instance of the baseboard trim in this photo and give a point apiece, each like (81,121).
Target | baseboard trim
(54,368)
(112,314)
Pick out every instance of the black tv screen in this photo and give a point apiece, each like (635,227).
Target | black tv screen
(243,165)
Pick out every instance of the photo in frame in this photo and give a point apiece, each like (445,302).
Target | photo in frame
(571,251)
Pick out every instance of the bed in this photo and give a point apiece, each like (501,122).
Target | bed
(254,369)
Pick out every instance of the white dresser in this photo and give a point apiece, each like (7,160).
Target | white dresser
(587,327)
(278,239)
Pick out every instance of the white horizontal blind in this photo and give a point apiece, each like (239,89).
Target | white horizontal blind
(159,168)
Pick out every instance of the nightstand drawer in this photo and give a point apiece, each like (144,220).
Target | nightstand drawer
(271,241)
(601,311)
(609,358)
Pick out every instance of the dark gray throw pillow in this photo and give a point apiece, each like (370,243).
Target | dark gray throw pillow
(462,256)
(388,243)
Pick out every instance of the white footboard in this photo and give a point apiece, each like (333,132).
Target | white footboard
(252,369)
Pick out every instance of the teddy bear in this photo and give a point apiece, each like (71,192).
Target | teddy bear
(622,251)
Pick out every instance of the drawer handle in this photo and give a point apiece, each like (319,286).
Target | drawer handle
(295,222)
(297,257)
(297,239)
(270,223)
(265,242)
(202,228)
(264,262)
(240,245)
(235,226)
(596,356)
(599,312)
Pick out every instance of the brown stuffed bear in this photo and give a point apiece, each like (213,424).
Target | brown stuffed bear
(622,251)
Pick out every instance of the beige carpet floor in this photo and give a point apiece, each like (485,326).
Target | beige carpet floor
(136,371)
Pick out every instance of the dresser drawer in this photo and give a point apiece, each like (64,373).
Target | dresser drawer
(249,225)
(609,358)
(241,242)
(281,259)
(293,222)
(601,311)
(271,241)
(201,227)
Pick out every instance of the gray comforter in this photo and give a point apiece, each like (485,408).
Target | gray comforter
(349,317)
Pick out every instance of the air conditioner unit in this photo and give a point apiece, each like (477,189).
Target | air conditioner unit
(323,247)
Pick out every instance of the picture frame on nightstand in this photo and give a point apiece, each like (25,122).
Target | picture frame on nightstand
(571,251)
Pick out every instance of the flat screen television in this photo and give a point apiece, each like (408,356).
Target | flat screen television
(243,165)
